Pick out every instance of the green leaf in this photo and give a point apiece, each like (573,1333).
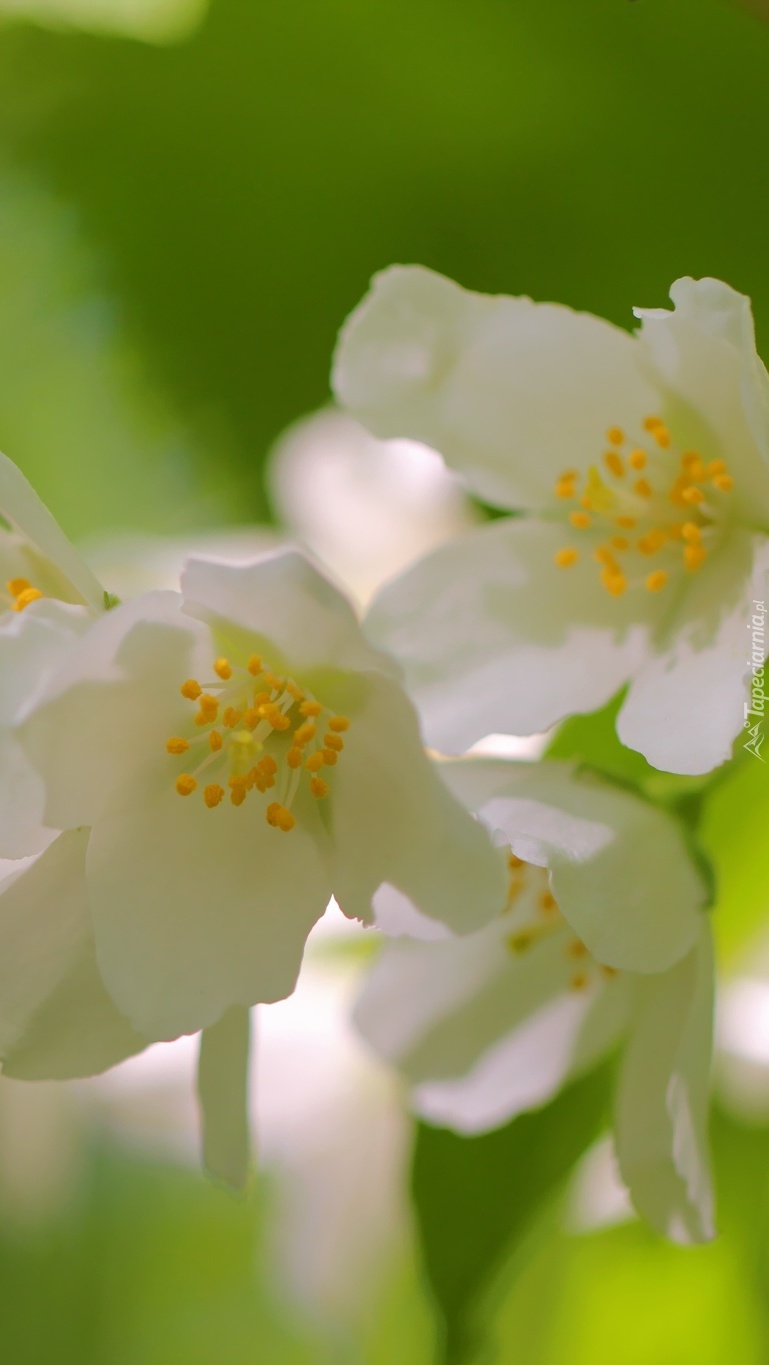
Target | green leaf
(478,1198)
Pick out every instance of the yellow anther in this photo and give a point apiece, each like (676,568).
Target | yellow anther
(603,555)
(547,902)
(237,780)
(661,435)
(576,948)
(692,495)
(615,436)
(651,423)
(185,784)
(238,795)
(215,741)
(273,681)
(213,794)
(315,762)
(284,819)
(692,463)
(614,463)
(16,586)
(566,557)
(26,597)
(305,733)
(318,787)
(222,669)
(656,581)
(694,557)
(691,532)
(268,765)
(254,665)
(620,543)
(626,523)
(310,708)
(191,689)
(251,717)
(724,483)
(271,812)
(339,724)
(295,691)
(579,982)
(676,530)
(580,519)
(294,757)
(231,717)
(262,698)
(565,488)
(333,742)
(642,488)
(716,467)
(330,757)
(177,745)
(208,706)
(637,459)
(652,541)
(614,583)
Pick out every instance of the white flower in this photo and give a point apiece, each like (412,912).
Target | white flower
(48,597)
(239,752)
(642,464)
(603,937)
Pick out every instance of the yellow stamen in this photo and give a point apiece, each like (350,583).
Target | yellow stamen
(694,466)
(661,435)
(215,741)
(268,765)
(254,665)
(691,532)
(238,795)
(177,745)
(191,689)
(330,757)
(294,757)
(222,669)
(614,583)
(620,543)
(642,488)
(580,519)
(26,597)
(284,819)
(333,742)
(652,541)
(626,523)
(304,733)
(566,557)
(637,459)
(339,724)
(657,580)
(208,707)
(651,423)
(213,794)
(314,762)
(185,784)
(724,483)
(615,436)
(310,708)
(565,488)
(716,467)
(693,495)
(231,717)
(318,787)
(273,681)
(16,586)
(295,691)
(614,463)
(694,557)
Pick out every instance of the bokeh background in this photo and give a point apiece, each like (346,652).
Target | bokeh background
(192,197)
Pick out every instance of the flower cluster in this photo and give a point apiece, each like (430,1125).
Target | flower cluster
(188,777)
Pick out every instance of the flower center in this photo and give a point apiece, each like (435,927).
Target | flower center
(19,593)
(651,504)
(535,916)
(258,733)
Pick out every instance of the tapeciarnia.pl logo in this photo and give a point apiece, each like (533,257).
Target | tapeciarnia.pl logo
(756,707)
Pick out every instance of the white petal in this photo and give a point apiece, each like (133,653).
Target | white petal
(661,1122)
(105,716)
(509,391)
(393,820)
(634,912)
(686,706)
(493,636)
(195,910)
(56,1019)
(704,353)
(21,506)
(303,619)
(223,1097)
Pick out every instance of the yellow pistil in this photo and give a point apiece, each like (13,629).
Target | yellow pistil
(656,581)
(566,557)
